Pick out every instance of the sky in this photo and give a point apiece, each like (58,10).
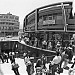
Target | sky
(22,7)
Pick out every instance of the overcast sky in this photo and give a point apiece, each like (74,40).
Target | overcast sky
(23,7)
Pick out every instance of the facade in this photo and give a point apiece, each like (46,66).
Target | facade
(51,17)
(20,32)
(9,25)
(53,22)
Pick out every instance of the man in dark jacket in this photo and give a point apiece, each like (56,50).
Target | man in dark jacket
(43,60)
(1,57)
(39,66)
(64,59)
(70,54)
(15,67)
(38,63)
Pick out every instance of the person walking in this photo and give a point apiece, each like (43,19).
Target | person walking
(15,67)
(6,57)
(64,58)
(1,57)
(72,69)
(55,63)
(38,67)
(50,45)
(44,44)
(12,57)
(24,55)
(28,64)
(70,54)
(43,59)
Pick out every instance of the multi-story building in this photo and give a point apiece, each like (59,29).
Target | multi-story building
(52,22)
(9,25)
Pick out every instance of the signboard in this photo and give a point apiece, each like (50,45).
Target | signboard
(49,22)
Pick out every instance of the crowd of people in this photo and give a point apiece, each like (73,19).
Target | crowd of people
(63,54)
(6,58)
(47,44)
(55,65)
(29,62)
(38,43)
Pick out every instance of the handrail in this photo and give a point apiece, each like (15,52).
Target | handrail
(38,48)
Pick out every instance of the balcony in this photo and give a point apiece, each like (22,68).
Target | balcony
(15,30)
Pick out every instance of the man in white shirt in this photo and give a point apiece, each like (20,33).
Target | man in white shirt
(55,62)
(49,45)
(44,43)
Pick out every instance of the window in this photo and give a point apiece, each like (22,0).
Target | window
(16,18)
(6,22)
(12,28)
(5,16)
(16,27)
(2,22)
(49,17)
(40,18)
(59,17)
(1,16)
(9,28)
(5,28)
(45,17)
(11,23)
(11,17)
(2,28)
(54,17)
(31,21)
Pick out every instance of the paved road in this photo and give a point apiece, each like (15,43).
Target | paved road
(5,69)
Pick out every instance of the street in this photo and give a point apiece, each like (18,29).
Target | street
(5,69)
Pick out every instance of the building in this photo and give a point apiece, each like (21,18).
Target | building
(51,21)
(9,25)
(20,32)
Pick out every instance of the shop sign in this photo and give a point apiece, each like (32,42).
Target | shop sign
(49,22)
